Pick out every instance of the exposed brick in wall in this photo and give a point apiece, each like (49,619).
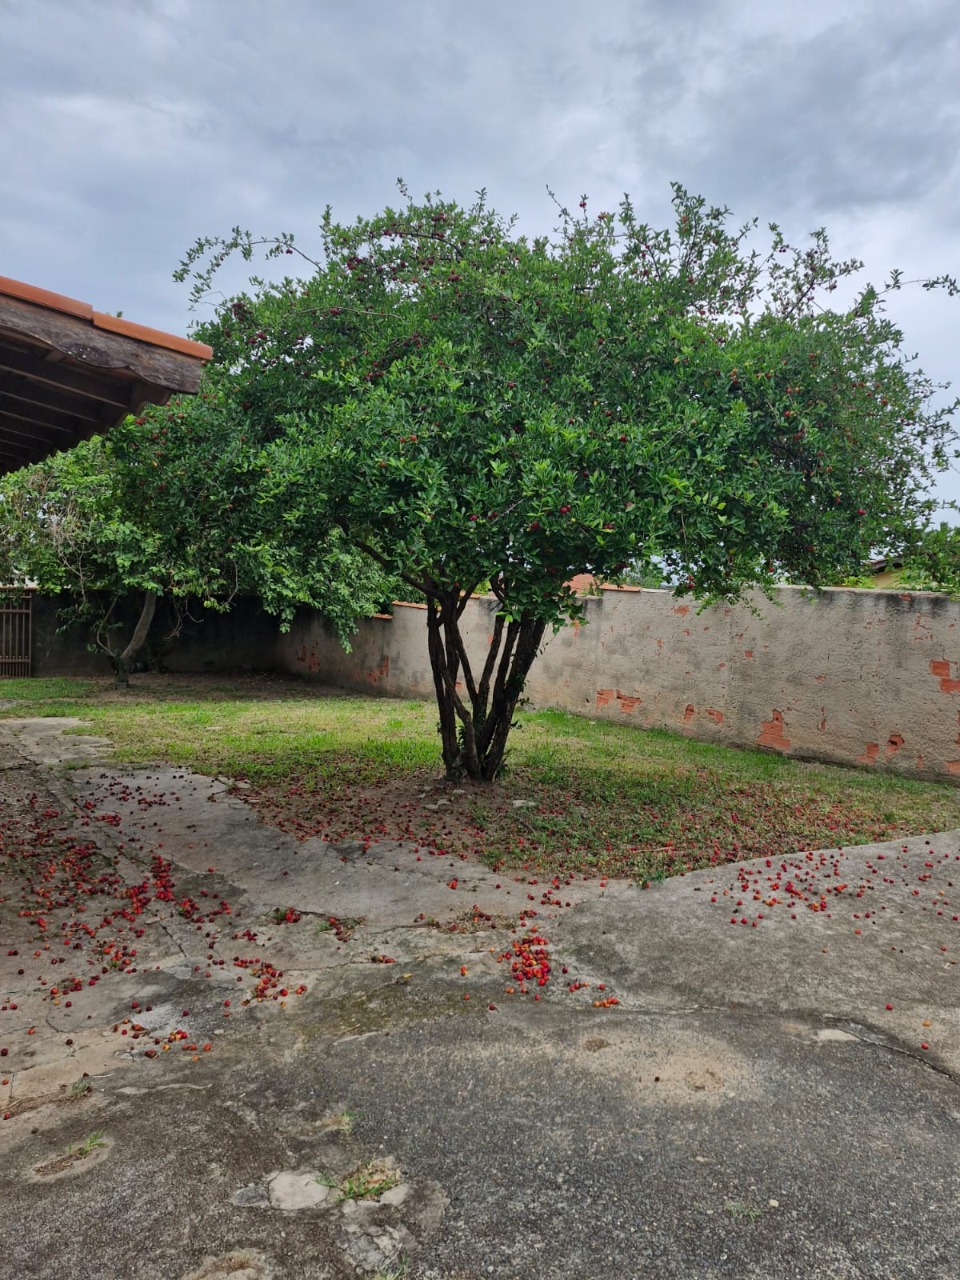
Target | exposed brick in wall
(772,734)
(943,670)
(857,677)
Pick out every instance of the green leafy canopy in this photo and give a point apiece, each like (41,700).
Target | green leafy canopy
(470,406)
(165,508)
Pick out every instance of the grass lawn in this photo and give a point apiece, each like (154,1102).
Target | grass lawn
(578,794)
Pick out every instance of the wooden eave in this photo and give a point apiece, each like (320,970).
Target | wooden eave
(68,372)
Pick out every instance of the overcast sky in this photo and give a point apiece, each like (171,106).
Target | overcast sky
(131,127)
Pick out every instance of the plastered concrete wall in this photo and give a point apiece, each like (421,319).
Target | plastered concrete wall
(856,677)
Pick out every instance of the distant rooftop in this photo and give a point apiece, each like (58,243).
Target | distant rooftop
(68,372)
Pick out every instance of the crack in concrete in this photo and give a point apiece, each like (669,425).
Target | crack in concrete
(864,1036)
(174,940)
(858,1031)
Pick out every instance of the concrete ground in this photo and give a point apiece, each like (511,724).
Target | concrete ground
(227,1053)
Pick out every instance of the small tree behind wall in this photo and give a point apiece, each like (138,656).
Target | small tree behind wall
(164,509)
(472,409)
(63,531)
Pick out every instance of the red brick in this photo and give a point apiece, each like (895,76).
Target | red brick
(772,735)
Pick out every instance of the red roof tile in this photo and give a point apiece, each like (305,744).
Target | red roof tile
(113,324)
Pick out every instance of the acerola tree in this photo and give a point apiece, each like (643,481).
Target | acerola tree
(475,409)
(165,510)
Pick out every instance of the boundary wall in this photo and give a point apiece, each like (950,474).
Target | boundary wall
(855,677)
(245,639)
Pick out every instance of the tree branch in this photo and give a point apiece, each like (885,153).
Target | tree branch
(489,666)
(385,564)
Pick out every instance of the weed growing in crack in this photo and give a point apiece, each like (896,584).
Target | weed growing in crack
(341,1121)
(395,1273)
(367,1182)
(88,1146)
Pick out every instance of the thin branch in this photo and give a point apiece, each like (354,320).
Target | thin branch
(384,563)
(491,662)
(465,598)
(450,680)
(503,670)
(452,628)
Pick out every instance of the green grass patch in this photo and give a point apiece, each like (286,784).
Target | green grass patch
(593,796)
(54,696)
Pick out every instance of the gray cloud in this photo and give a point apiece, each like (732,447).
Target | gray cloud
(133,126)
(860,112)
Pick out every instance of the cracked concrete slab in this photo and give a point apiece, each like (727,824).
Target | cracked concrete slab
(53,741)
(292,1190)
(383,882)
(882,956)
(711,1083)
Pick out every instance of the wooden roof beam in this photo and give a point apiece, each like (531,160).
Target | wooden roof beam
(50,370)
(23,393)
(68,372)
(23,447)
(51,419)
(100,348)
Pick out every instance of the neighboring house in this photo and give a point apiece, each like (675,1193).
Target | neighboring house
(885,573)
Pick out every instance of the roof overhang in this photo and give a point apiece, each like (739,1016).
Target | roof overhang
(68,372)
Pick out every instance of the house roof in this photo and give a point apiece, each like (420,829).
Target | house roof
(68,372)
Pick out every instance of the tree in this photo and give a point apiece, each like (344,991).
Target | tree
(932,562)
(472,408)
(164,510)
(64,530)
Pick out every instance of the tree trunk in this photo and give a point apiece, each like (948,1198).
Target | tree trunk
(123,659)
(476,714)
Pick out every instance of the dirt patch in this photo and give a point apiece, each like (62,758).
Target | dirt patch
(239,1264)
(419,807)
(674,1070)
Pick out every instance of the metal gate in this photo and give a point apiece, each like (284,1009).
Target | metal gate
(16,610)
